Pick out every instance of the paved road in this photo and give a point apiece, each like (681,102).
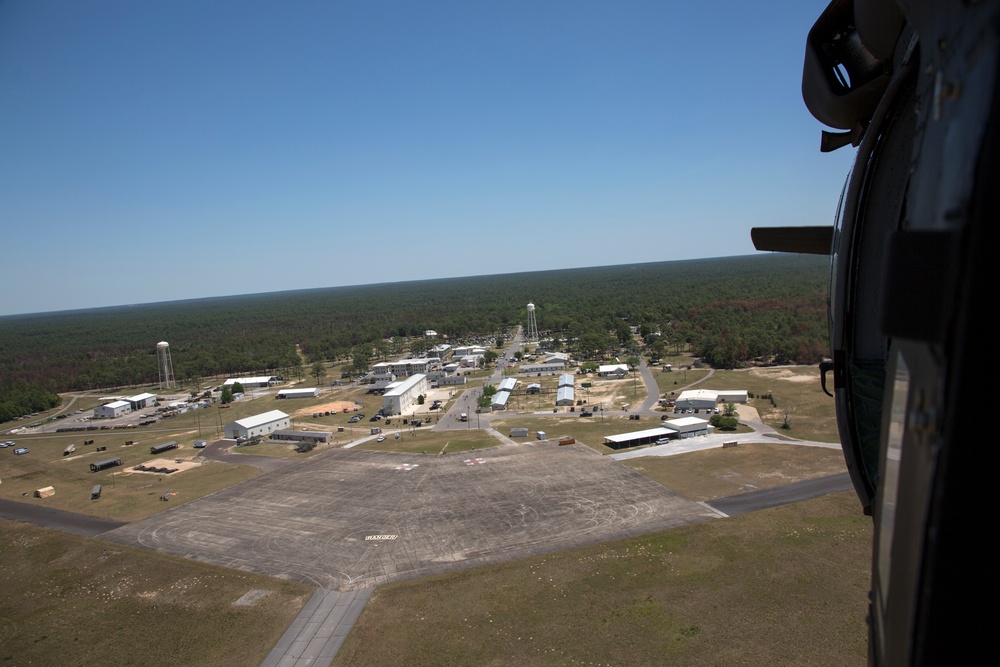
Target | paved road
(315,636)
(68,522)
(782,495)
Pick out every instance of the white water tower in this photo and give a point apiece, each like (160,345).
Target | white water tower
(532,325)
(166,366)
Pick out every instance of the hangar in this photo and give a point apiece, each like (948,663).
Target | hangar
(262,424)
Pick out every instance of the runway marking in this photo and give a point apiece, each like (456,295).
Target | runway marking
(380,537)
(407,466)
(472,462)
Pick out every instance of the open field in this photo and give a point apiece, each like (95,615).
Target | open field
(718,473)
(785,586)
(795,388)
(425,441)
(678,379)
(74,600)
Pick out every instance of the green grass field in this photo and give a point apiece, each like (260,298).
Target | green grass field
(795,388)
(70,600)
(785,586)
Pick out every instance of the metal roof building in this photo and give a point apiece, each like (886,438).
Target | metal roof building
(112,410)
(565,396)
(508,384)
(636,438)
(139,401)
(305,392)
(499,401)
(566,380)
(262,424)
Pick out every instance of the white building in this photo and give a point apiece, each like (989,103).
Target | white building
(542,369)
(140,401)
(262,424)
(613,370)
(499,401)
(507,384)
(260,381)
(402,396)
(688,427)
(305,392)
(697,398)
(567,380)
(556,357)
(565,396)
(405,367)
(469,350)
(112,410)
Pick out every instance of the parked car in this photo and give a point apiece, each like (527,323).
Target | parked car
(199,444)
(381,438)
(662,441)
(21,450)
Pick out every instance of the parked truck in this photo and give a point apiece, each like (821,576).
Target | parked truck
(463,417)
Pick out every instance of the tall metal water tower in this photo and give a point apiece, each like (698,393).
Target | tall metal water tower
(532,325)
(166,366)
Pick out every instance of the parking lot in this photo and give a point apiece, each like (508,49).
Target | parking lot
(350,519)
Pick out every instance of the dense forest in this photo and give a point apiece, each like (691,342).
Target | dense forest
(730,311)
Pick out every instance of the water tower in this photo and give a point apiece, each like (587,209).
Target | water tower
(166,366)
(532,325)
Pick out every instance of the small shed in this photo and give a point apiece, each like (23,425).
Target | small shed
(45,492)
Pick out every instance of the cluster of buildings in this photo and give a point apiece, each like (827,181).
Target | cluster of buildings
(124,406)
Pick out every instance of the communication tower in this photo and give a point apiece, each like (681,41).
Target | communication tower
(166,366)
(532,325)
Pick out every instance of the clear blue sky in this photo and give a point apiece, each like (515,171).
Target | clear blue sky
(153,151)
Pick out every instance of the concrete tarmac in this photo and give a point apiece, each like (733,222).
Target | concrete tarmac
(352,519)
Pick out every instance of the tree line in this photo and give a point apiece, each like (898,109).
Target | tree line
(730,311)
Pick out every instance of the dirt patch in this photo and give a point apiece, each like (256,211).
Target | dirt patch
(179,465)
(786,374)
(335,406)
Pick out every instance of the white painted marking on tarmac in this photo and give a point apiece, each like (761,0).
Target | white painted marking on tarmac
(407,466)
(381,537)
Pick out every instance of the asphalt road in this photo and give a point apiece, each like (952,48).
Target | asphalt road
(782,495)
(69,522)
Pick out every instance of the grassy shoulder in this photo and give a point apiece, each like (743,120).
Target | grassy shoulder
(781,586)
(70,599)
(718,472)
(425,441)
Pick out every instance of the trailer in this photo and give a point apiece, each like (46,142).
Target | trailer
(105,464)
(165,447)
(69,450)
